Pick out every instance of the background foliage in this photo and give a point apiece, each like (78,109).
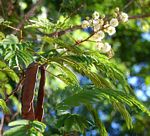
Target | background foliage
(68,107)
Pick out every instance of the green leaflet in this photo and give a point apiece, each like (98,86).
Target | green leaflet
(88,60)
(14,52)
(44,24)
(4,106)
(14,131)
(122,109)
(8,72)
(97,121)
(70,74)
(25,57)
(26,128)
(10,39)
(72,122)
(38,125)
(19,122)
(2,64)
(10,55)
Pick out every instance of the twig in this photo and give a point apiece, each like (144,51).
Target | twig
(51,73)
(28,15)
(16,89)
(86,39)
(62,32)
(1,125)
(74,12)
(128,4)
(139,16)
(14,115)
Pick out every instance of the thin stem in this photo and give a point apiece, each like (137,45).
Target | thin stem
(139,16)
(16,89)
(51,73)
(1,125)
(86,39)
(62,32)
(128,4)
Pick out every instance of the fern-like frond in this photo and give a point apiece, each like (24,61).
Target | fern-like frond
(84,67)
(89,95)
(122,109)
(73,122)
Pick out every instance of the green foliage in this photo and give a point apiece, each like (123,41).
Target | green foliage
(90,95)
(4,106)
(26,128)
(15,52)
(67,59)
(68,76)
(6,74)
(73,122)
(97,120)
(122,109)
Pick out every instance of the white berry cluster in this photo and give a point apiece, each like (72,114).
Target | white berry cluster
(102,25)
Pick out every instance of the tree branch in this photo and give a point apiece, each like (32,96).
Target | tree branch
(76,27)
(28,15)
(62,32)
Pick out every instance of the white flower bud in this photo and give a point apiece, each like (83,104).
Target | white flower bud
(114,22)
(97,24)
(90,22)
(95,15)
(100,45)
(96,27)
(95,21)
(123,17)
(117,9)
(99,36)
(111,30)
(106,25)
(106,48)
(85,24)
